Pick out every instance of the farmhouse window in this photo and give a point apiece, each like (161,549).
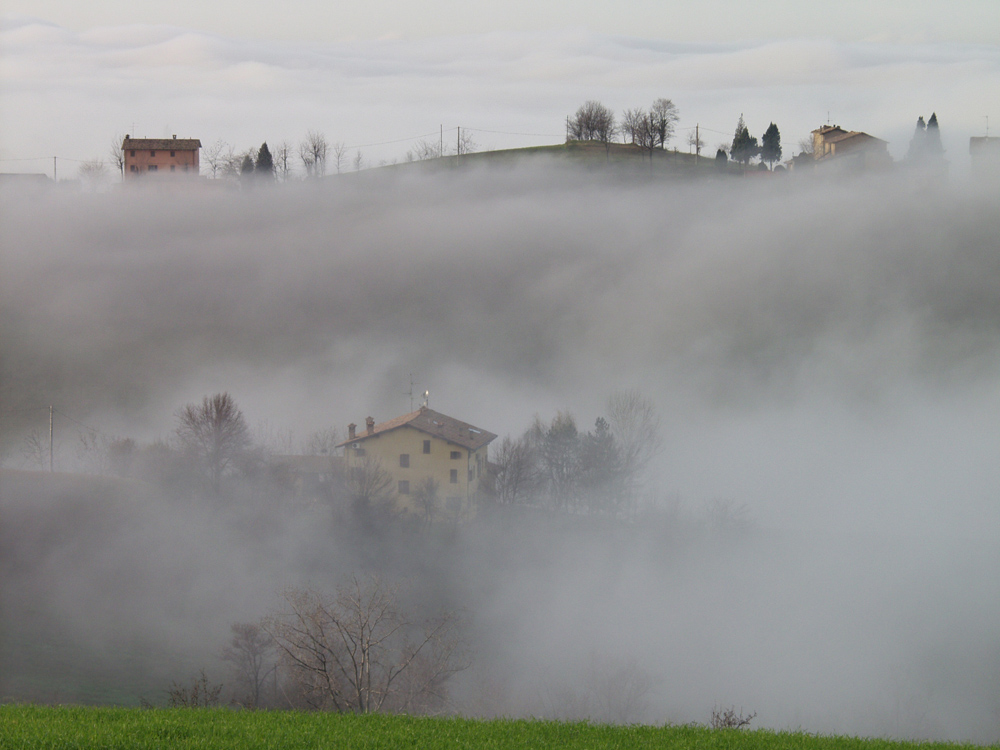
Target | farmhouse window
(454,476)
(456,454)
(359,451)
(404,460)
(427,446)
(152,153)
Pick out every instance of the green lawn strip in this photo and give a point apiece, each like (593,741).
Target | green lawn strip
(70,727)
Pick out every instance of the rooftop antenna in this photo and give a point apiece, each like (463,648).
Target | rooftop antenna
(427,398)
(410,392)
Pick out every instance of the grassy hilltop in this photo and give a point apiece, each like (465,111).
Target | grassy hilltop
(30,727)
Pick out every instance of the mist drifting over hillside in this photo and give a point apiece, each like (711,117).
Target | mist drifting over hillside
(822,354)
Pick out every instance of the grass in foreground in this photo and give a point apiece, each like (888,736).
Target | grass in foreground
(51,728)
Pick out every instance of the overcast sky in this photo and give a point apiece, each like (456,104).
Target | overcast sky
(380,76)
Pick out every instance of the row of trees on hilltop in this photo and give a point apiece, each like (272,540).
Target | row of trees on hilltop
(649,129)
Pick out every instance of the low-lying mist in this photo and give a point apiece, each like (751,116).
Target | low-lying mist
(819,538)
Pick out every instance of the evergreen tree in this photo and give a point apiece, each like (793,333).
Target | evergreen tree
(770,145)
(919,141)
(744,146)
(246,168)
(265,163)
(933,137)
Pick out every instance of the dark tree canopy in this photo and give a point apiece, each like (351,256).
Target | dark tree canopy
(744,146)
(934,146)
(926,142)
(265,162)
(770,145)
(246,167)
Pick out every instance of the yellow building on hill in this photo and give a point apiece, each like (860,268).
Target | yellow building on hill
(422,451)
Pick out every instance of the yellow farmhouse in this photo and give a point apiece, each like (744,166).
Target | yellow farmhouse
(420,446)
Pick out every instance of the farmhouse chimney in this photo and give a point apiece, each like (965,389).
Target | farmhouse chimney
(175,136)
(370,425)
(350,431)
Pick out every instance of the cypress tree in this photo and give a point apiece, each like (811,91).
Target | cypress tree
(770,145)
(265,163)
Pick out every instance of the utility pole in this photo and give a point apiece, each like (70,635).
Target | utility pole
(697,143)
(50,438)
(55,172)
(440,148)
(458,142)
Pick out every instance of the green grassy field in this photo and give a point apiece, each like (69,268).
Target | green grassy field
(37,727)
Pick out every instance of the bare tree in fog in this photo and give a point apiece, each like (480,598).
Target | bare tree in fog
(359,161)
(215,432)
(427,497)
(200,694)
(514,470)
(339,152)
(636,428)
(312,151)
(282,161)
(631,125)
(34,449)
(251,651)
(663,116)
(592,122)
(322,442)
(356,651)
(370,492)
(117,154)
(727,718)
(215,157)
(93,174)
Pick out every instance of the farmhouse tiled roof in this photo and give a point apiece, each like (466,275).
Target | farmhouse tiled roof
(162,144)
(433,423)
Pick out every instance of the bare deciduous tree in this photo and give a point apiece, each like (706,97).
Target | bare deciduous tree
(201,693)
(359,162)
(515,470)
(35,449)
(322,442)
(93,174)
(339,153)
(465,143)
(427,497)
(636,427)
(663,116)
(117,154)
(215,157)
(312,151)
(215,432)
(355,651)
(282,161)
(592,122)
(727,718)
(370,492)
(251,651)
(423,151)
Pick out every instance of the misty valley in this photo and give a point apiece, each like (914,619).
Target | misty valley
(716,452)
